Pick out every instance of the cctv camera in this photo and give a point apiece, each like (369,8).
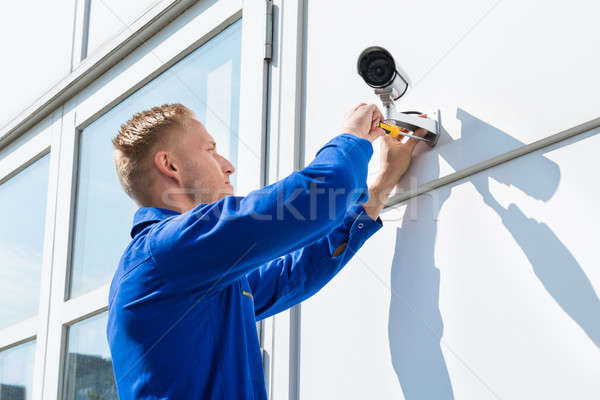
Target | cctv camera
(377,67)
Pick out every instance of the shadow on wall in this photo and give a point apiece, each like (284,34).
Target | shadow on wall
(415,322)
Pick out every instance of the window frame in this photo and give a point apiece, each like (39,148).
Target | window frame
(84,72)
(80,50)
(42,143)
(280,334)
(186,33)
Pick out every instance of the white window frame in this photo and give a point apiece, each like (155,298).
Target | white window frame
(184,34)
(80,51)
(85,72)
(280,333)
(45,142)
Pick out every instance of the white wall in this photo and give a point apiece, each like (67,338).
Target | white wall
(485,288)
(489,285)
(528,68)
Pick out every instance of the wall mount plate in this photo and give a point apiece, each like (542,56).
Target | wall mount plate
(413,122)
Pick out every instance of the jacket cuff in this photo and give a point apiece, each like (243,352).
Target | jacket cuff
(357,227)
(363,221)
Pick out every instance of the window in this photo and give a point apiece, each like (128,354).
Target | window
(107,18)
(23,202)
(67,219)
(208,82)
(88,366)
(16,372)
(33,31)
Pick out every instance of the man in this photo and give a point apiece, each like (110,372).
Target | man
(204,265)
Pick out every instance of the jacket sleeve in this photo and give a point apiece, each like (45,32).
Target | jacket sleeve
(212,245)
(294,277)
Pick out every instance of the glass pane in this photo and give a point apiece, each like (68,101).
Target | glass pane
(32,31)
(89,373)
(23,205)
(16,372)
(208,82)
(108,18)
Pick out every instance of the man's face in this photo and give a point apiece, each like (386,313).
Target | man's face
(205,173)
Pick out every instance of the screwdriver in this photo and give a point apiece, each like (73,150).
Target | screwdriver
(394,130)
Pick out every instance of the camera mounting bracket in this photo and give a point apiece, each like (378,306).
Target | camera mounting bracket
(409,121)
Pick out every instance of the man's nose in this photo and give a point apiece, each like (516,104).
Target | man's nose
(228,167)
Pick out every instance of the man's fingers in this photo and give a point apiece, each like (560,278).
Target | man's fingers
(354,109)
(411,143)
(375,130)
(376,115)
(371,109)
(359,106)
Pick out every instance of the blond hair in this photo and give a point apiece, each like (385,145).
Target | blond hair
(135,140)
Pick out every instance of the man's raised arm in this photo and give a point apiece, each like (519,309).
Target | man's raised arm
(290,279)
(237,234)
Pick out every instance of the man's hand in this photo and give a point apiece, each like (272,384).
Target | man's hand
(396,157)
(362,121)
(395,160)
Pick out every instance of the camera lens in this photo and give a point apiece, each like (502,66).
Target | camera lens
(376,66)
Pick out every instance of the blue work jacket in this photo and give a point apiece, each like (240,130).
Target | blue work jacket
(190,286)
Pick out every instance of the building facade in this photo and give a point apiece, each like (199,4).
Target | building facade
(483,282)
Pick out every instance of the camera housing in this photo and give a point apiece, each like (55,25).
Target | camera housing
(379,70)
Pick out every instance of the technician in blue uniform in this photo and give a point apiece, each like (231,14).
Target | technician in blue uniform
(204,265)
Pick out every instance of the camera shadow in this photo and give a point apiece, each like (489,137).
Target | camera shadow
(415,324)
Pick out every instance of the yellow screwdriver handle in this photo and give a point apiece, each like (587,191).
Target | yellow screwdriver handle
(392,130)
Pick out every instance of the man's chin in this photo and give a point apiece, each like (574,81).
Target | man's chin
(228,191)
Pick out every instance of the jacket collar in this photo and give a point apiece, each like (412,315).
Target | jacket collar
(145,216)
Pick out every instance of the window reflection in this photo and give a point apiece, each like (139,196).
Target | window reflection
(89,373)
(23,205)
(207,81)
(16,372)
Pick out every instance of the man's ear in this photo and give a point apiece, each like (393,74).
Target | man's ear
(166,165)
